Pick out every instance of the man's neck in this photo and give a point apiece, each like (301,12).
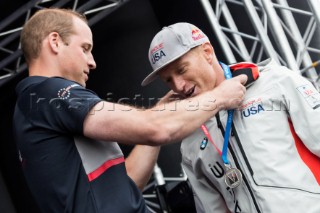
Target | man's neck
(219,74)
(37,68)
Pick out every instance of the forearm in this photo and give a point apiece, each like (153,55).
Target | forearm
(156,126)
(180,118)
(164,123)
(140,164)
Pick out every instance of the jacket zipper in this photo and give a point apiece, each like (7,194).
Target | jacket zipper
(235,134)
(236,160)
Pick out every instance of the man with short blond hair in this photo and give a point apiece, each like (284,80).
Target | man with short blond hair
(66,134)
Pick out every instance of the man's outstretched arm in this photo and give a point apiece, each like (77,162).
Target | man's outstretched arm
(161,125)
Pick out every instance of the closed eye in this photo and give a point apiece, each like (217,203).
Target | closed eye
(182,70)
(86,48)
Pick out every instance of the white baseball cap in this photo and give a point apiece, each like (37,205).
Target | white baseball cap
(171,43)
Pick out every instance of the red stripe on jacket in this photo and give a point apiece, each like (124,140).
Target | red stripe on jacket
(310,159)
(104,167)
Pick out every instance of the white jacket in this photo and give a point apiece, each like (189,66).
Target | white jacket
(280,174)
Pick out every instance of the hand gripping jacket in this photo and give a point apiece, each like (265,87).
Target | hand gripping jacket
(275,143)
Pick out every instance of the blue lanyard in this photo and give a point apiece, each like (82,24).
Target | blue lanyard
(228,75)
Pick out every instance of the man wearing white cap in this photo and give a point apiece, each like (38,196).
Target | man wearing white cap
(263,157)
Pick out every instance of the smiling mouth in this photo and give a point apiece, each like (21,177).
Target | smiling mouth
(190,92)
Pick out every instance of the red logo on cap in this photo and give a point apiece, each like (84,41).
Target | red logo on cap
(196,34)
(156,48)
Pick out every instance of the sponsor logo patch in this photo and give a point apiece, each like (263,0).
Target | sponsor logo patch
(64,93)
(196,34)
(204,143)
(156,53)
(252,107)
(310,94)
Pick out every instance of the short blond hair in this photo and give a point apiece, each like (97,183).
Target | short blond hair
(41,24)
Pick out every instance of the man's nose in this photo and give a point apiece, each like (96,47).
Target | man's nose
(179,84)
(91,62)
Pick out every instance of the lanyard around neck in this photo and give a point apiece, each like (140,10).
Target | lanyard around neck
(224,154)
(228,75)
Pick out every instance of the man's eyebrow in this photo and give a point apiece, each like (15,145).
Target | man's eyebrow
(181,65)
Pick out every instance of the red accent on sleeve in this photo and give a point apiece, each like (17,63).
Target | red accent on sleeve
(104,167)
(310,159)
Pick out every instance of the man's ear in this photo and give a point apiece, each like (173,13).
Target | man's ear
(54,41)
(207,50)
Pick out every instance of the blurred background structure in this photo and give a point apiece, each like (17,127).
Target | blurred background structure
(240,30)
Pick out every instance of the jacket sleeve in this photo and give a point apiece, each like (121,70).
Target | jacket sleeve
(302,101)
(206,197)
